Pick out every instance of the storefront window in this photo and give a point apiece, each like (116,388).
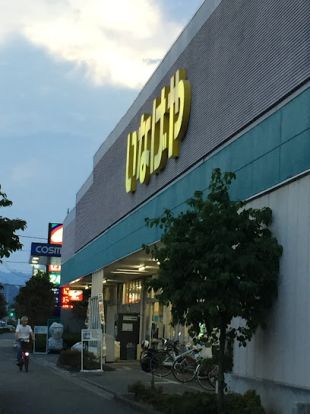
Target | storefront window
(132,292)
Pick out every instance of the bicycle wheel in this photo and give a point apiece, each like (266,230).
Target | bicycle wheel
(144,354)
(203,379)
(26,363)
(20,365)
(161,363)
(213,375)
(184,368)
(145,360)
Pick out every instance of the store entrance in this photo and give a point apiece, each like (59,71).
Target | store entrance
(128,334)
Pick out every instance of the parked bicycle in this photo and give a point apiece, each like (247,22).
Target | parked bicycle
(192,364)
(159,361)
(185,366)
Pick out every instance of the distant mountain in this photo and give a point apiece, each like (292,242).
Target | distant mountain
(10,292)
(16,278)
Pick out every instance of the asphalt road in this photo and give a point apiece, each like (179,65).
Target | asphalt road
(44,390)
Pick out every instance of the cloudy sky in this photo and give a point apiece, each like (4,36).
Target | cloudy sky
(69,69)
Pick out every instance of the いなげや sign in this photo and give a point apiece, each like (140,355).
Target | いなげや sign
(159,135)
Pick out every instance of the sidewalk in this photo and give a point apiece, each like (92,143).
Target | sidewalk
(118,375)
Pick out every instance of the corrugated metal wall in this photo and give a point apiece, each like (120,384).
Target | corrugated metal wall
(247,56)
(68,246)
(280,353)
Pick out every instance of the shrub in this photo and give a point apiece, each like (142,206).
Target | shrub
(71,338)
(249,403)
(144,393)
(189,402)
(70,359)
(173,403)
(196,402)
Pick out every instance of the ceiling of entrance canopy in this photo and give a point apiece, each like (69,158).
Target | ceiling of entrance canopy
(131,267)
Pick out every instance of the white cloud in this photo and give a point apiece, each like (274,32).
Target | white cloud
(26,172)
(116,42)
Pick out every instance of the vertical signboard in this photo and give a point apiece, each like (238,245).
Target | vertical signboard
(40,339)
(55,233)
(55,237)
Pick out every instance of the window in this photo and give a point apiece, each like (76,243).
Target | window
(132,292)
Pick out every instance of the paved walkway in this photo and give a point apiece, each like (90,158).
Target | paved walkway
(47,390)
(113,382)
(119,375)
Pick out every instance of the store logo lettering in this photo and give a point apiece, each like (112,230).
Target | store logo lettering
(159,135)
(48,249)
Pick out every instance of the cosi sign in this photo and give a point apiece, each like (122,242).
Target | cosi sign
(159,135)
(45,249)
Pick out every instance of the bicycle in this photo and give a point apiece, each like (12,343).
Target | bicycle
(207,374)
(159,361)
(24,355)
(185,365)
(190,364)
(162,360)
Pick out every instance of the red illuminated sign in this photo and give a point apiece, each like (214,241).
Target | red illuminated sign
(65,299)
(76,295)
(55,268)
(70,295)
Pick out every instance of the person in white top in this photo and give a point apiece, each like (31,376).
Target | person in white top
(23,333)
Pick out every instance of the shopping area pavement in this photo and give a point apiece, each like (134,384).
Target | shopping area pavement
(110,384)
(116,377)
(44,389)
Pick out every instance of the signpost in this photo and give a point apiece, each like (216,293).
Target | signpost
(91,351)
(40,339)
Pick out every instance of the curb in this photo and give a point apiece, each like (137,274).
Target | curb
(122,398)
(143,408)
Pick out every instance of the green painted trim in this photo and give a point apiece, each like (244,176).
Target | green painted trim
(273,151)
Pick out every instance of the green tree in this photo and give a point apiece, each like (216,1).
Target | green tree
(79,309)
(218,261)
(9,241)
(3,303)
(36,299)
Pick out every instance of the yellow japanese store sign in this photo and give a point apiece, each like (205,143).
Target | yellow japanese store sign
(159,135)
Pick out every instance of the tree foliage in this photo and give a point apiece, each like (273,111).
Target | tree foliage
(3,303)
(9,241)
(79,309)
(36,299)
(218,261)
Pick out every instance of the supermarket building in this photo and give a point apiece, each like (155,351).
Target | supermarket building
(232,92)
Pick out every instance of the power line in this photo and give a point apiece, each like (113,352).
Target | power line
(12,261)
(32,237)
(21,251)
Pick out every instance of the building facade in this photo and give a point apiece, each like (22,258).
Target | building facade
(232,92)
